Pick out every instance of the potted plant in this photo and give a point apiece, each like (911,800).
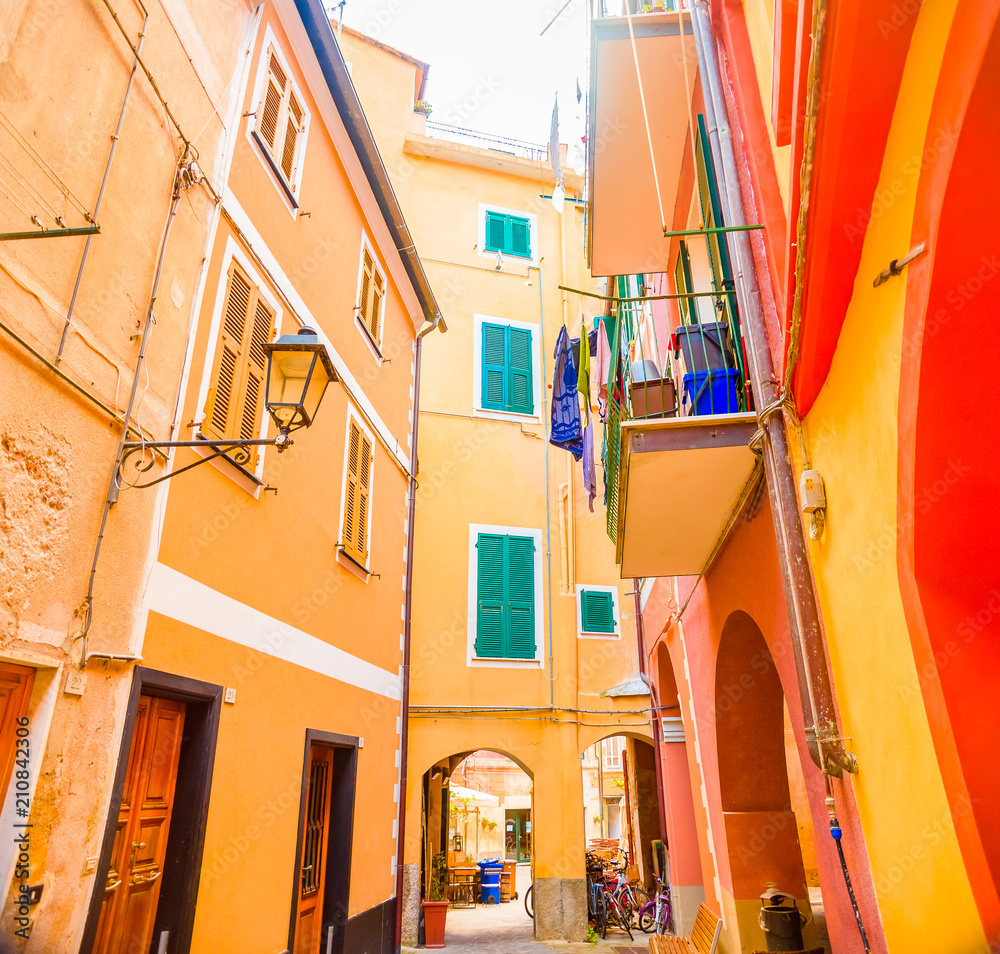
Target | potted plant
(422,106)
(436,904)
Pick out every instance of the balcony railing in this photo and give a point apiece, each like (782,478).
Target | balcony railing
(664,369)
(511,147)
(617,8)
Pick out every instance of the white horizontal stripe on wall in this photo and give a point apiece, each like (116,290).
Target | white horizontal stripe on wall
(179,597)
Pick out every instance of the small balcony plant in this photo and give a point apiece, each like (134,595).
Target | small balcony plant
(422,106)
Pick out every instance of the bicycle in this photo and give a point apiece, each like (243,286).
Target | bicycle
(655,916)
(529,901)
(616,910)
(630,896)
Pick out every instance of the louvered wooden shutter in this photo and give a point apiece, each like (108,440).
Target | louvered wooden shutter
(375,309)
(597,611)
(224,396)
(270,108)
(496,232)
(521,597)
(293,127)
(494,383)
(520,392)
(520,237)
(261,331)
(490,606)
(358,493)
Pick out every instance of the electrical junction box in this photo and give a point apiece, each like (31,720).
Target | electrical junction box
(812,493)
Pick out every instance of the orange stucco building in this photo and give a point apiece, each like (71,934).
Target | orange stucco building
(819,610)
(211,759)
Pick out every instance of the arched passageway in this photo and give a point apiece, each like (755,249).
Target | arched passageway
(761,833)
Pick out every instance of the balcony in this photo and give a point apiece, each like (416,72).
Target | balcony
(629,205)
(679,423)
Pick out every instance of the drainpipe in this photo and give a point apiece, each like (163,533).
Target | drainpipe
(404,713)
(654,715)
(813,675)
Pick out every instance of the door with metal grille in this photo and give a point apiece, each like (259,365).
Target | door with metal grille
(312,861)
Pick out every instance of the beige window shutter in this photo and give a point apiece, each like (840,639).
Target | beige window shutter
(366,284)
(375,311)
(293,127)
(364,492)
(352,493)
(270,108)
(260,331)
(227,375)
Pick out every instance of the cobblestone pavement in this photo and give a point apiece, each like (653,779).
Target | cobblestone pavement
(507,929)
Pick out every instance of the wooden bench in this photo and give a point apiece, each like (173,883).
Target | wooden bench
(704,937)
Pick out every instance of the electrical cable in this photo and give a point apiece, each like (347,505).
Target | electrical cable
(837,834)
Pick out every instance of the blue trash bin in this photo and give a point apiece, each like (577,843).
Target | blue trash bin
(489,881)
(711,392)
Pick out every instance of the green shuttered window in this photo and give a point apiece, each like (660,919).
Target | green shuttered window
(507,379)
(505,618)
(597,611)
(510,234)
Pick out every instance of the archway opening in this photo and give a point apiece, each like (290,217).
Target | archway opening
(956,481)
(477,841)
(756,758)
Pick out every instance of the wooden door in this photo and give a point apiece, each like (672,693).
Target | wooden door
(15,689)
(140,844)
(315,843)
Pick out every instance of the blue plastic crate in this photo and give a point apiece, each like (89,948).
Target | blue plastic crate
(712,391)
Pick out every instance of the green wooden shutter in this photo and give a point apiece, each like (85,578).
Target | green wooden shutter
(491,575)
(520,237)
(521,398)
(597,609)
(494,345)
(521,597)
(496,232)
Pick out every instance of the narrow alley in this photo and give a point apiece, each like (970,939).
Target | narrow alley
(499,478)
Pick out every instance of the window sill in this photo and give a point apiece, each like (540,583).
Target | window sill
(599,635)
(369,340)
(512,416)
(237,473)
(503,662)
(349,563)
(276,169)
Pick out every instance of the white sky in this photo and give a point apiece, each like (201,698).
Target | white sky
(490,69)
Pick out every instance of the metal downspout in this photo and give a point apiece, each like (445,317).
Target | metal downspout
(404,714)
(813,675)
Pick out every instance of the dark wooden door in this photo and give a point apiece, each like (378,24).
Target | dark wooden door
(315,844)
(140,844)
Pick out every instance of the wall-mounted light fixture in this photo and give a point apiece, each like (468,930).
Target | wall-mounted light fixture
(299,370)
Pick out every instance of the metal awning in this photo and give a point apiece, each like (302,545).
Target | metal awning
(626,231)
(682,482)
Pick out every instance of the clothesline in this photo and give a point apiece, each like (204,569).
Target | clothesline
(587,294)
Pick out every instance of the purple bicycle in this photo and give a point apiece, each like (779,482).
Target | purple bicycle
(655,916)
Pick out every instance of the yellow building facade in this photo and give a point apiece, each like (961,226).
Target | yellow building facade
(489,478)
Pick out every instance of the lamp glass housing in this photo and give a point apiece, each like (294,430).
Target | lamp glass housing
(298,372)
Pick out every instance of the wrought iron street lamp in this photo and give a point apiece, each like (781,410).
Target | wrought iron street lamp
(299,370)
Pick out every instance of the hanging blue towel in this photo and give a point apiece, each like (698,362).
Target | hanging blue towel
(566,431)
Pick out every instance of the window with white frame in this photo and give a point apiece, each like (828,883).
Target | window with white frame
(281,120)
(611,750)
(505,590)
(506,381)
(370,305)
(507,233)
(356,501)
(597,612)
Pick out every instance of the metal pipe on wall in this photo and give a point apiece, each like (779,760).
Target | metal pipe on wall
(654,715)
(813,675)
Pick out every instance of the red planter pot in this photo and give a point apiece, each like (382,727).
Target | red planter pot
(435,913)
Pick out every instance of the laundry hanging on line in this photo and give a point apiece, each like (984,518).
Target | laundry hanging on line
(566,429)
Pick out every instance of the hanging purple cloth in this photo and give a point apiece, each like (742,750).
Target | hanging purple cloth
(589,471)
(566,431)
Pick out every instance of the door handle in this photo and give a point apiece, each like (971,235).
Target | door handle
(136,845)
(111,887)
(139,879)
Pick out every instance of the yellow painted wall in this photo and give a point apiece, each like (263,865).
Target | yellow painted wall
(476,470)
(850,431)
